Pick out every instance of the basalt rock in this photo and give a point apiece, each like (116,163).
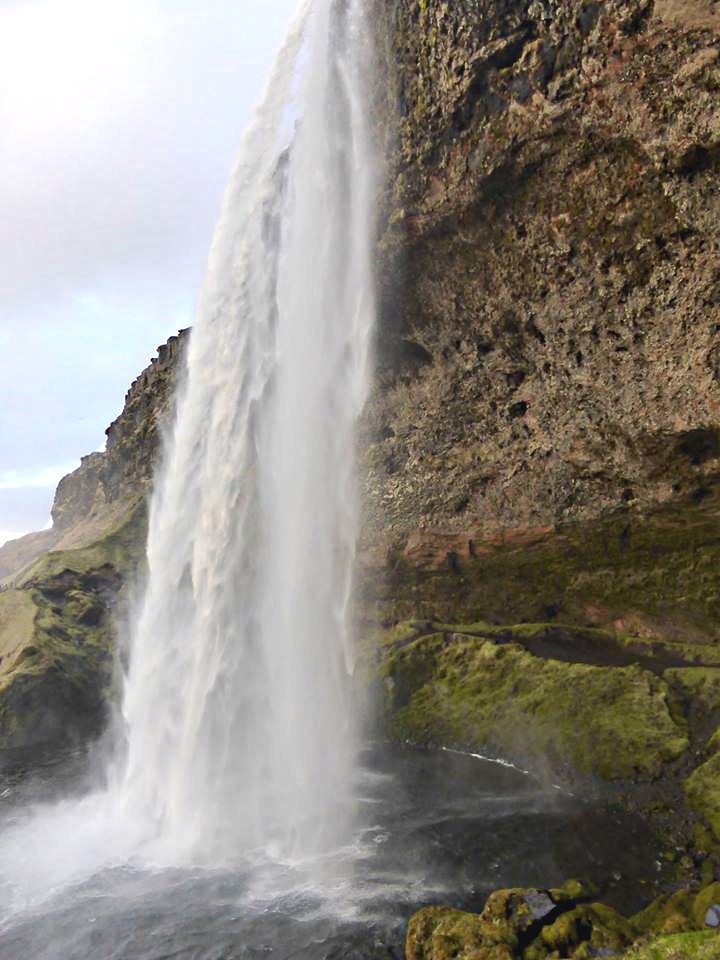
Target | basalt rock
(550,326)
(542,444)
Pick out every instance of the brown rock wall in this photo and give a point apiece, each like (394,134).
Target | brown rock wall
(550,334)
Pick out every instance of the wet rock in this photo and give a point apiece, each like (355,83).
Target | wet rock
(712,917)
(540,904)
(585,931)
(555,167)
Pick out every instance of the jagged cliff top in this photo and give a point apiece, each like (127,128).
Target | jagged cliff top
(107,485)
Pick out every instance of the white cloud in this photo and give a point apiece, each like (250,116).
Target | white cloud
(42,478)
(6,536)
(119,122)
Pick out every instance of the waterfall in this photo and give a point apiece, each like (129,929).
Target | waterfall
(237,704)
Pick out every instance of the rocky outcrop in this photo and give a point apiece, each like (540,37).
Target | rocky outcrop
(551,288)
(126,468)
(481,689)
(541,451)
(59,633)
(61,619)
(107,486)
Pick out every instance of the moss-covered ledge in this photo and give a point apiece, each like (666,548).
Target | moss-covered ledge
(459,690)
(591,648)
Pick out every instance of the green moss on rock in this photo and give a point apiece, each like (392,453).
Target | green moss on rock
(462,691)
(699,684)
(17,618)
(684,946)
(702,789)
(551,924)
(122,548)
(437,933)
(586,930)
(59,643)
(666,915)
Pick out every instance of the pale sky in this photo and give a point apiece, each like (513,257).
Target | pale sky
(119,124)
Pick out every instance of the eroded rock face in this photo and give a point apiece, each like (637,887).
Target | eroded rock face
(551,350)
(107,486)
(133,443)
(62,618)
(690,14)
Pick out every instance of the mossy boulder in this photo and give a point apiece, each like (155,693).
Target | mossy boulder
(554,924)
(509,923)
(464,691)
(437,933)
(527,924)
(588,930)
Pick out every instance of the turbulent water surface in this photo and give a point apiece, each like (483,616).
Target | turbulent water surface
(432,828)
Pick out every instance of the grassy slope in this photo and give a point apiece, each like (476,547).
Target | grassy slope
(64,635)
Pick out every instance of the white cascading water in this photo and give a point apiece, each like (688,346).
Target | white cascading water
(237,702)
(240,738)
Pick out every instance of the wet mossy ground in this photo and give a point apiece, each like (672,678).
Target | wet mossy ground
(683,946)
(566,923)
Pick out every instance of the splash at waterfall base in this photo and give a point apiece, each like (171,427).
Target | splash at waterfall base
(434,826)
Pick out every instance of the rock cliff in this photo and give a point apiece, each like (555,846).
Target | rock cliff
(541,451)
(543,442)
(108,486)
(551,317)
(65,592)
